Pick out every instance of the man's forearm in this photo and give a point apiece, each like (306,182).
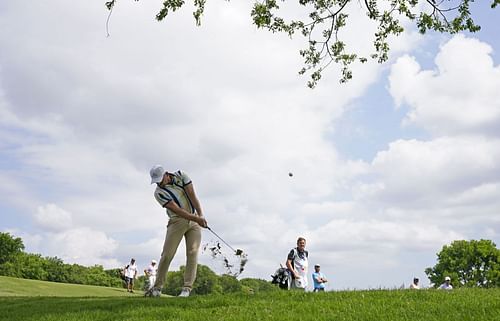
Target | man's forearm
(196,205)
(290,267)
(185,214)
(194,199)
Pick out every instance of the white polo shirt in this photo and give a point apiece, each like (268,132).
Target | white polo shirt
(131,271)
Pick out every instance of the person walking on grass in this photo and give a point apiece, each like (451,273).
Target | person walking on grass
(415,285)
(150,273)
(297,263)
(446,285)
(175,192)
(130,272)
(319,279)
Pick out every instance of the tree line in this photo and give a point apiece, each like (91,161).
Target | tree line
(15,262)
(208,282)
(474,263)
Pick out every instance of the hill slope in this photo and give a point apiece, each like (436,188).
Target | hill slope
(23,287)
(26,300)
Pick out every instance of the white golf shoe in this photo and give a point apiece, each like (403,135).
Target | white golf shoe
(185,292)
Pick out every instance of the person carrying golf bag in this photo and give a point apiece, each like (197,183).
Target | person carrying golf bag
(294,275)
(297,263)
(175,193)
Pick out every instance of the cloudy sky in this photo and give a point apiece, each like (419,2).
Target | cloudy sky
(387,168)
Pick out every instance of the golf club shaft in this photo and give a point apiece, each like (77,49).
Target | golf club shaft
(220,238)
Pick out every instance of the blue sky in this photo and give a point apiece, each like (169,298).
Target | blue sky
(380,122)
(387,168)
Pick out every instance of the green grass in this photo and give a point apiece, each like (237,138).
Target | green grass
(23,287)
(425,305)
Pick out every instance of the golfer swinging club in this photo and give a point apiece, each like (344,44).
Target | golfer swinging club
(175,192)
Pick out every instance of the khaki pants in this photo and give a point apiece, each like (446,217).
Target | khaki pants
(176,229)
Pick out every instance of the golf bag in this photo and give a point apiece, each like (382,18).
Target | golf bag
(122,272)
(282,277)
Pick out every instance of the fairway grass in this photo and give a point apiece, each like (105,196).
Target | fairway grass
(23,287)
(375,305)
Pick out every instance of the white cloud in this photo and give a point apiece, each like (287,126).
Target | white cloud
(58,236)
(459,96)
(360,236)
(417,173)
(482,193)
(454,175)
(52,217)
(83,246)
(79,245)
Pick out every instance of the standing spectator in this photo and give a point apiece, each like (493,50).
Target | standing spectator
(130,272)
(415,285)
(150,273)
(446,285)
(297,264)
(319,279)
(175,193)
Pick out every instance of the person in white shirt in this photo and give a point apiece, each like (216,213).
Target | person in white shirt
(415,285)
(130,272)
(446,285)
(150,273)
(297,263)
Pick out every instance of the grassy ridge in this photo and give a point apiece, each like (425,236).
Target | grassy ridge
(23,287)
(428,305)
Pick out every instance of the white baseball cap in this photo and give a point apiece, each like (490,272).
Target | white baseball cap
(156,174)
(447,278)
(153,261)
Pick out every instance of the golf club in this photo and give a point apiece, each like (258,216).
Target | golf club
(220,238)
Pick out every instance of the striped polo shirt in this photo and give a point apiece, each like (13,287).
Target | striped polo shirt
(174,192)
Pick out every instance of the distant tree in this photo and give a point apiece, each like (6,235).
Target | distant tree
(95,275)
(114,276)
(229,284)
(173,283)
(140,282)
(12,267)
(32,266)
(468,263)
(258,285)
(206,281)
(56,270)
(77,273)
(16,263)
(10,246)
(321,23)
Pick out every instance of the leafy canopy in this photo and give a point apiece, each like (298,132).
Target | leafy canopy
(10,246)
(468,263)
(326,19)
